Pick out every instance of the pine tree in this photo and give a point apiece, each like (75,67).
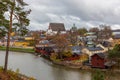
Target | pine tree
(18,18)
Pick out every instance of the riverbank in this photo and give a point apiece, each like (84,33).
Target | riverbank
(83,67)
(42,69)
(72,65)
(18,49)
(11,75)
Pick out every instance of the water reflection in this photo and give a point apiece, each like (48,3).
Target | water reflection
(42,69)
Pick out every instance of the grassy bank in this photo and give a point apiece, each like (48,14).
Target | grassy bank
(11,75)
(25,50)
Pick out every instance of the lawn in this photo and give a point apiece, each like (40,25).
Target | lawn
(25,50)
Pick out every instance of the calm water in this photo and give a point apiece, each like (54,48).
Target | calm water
(42,69)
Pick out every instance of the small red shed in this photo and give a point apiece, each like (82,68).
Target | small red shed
(98,60)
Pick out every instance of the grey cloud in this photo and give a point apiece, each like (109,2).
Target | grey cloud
(81,12)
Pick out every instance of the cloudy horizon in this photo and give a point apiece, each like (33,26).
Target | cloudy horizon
(82,13)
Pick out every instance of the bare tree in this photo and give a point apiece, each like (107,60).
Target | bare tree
(105,32)
(61,44)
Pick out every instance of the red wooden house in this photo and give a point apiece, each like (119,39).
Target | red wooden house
(98,60)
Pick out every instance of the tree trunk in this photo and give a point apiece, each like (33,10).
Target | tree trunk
(60,55)
(8,40)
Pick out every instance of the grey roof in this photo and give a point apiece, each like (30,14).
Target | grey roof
(44,42)
(106,44)
(57,26)
(117,30)
(100,55)
(110,63)
(76,47)
(94,48)
(117,36)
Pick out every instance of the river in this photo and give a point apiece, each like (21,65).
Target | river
(42,69)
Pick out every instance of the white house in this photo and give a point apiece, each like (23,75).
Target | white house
(55,28)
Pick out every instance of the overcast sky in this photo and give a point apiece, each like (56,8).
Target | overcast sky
(82,13)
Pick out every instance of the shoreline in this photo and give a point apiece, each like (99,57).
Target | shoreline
(60,63)
(14,75)
(79,66)
(18,49)
(84,67)
(73,66)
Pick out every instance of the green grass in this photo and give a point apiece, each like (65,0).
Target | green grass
(25,50)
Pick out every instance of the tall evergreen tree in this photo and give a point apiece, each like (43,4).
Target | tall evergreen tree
(114,54)
(17,18)
(3,22)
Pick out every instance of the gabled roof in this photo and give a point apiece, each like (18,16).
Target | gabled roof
(100,55)
(57,26)
(106,44)
(94,48)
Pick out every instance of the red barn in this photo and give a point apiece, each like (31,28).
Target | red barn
(98,60)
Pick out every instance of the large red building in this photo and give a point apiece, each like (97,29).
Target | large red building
(98,60)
